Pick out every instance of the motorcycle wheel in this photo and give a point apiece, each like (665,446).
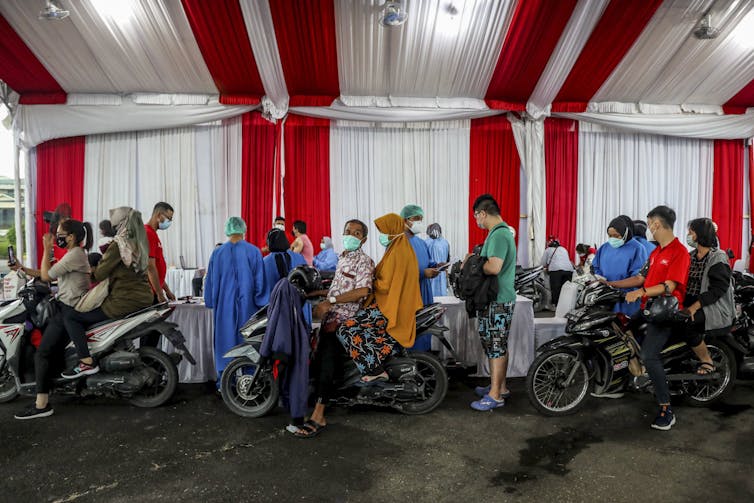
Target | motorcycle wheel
(8,390)
(705,393)
(243,401)
(434,378)
(161,391)
(545,383)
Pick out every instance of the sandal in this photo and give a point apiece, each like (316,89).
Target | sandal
(705,368)
(369,380)
(309,429)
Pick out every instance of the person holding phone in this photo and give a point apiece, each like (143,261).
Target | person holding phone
(439,252)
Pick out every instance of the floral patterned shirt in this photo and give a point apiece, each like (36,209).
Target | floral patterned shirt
(355,270)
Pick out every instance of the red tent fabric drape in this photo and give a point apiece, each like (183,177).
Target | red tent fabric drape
(727,196)
(307,175)
(751,203)
(257,175)
(561,173)
(494,168)
(60,179)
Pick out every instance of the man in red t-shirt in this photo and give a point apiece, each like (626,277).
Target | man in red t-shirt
(162,217)
(666,272)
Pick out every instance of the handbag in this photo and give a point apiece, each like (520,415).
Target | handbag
(94,297)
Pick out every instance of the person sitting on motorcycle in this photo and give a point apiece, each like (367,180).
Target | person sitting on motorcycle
(350,285)
(666,272)
(640,234)
(125,264)
(709,291)
(390,312)
(281,259)
(72,274)
(620,258)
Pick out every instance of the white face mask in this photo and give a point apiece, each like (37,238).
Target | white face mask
(280,226)
(417,227)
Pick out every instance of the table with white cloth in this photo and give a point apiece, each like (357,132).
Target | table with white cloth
(195,323)
(464,336)
(179,280)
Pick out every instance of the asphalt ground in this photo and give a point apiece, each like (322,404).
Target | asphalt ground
(194,449)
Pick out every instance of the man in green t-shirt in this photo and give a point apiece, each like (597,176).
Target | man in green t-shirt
(495,320)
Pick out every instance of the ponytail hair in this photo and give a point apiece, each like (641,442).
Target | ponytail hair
(82,232)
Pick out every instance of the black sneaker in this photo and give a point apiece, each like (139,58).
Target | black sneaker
(31,412)
(80,370)
(665,419)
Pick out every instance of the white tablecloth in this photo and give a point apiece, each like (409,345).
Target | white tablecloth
(195,322)
(179,281)
(464,336)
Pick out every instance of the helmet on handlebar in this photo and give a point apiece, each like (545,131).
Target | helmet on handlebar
(305,278)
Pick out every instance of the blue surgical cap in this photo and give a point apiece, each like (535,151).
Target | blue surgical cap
(412,210)
(235,225)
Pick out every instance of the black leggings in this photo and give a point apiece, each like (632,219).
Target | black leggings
(329,352)
(557,280)
(76,324)
(54,341)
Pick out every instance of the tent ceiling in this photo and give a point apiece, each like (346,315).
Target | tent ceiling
(639,54)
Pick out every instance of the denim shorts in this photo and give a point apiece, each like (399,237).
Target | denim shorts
(494,326)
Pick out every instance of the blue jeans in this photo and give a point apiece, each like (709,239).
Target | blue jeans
(655,340)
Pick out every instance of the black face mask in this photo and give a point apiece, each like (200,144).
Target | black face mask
(61,242)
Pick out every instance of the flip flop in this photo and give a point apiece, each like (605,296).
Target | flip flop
(309,429)
(705,368)
(373,380)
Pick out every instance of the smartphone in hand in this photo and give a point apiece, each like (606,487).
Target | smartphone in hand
(11,256)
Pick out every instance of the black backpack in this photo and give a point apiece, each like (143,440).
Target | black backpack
(471,284)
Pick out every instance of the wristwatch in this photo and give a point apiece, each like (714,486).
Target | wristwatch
(332,300)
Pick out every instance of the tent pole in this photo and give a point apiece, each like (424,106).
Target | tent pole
(17,201)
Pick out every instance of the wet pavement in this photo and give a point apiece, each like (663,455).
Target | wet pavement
(194,449)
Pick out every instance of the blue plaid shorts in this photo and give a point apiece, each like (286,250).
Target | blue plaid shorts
(494,326)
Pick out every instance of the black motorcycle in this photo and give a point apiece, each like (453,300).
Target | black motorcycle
(743,327)
(600,354)
(531,284)
(417,384)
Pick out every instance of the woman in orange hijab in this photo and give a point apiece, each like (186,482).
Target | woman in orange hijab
(390,312)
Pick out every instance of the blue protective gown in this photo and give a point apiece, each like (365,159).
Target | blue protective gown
(326,260)
(439,252)
(423,342)
(272,276)
(621,263)
(235,289)
(646,244)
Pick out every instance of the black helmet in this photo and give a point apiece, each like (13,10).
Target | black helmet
(662,309)
(305,278)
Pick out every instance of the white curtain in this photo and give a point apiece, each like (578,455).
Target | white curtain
(377,170)
(575,35)
(624,173)
(436,53)
(196,170)
(341,112)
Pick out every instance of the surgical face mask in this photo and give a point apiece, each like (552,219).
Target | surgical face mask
(61,241)
(352,243)
(690,241)
(616,242)
(164,224)
(417,227)
(280,226)
(384,240)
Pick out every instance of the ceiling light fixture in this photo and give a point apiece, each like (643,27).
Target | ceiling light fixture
(393,15)
(705,30)
(119,11)
(53,11)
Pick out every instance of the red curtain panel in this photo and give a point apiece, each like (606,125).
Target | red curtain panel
(727,196)
(220,32)
(494,168)
(561,173)
(741,101)
(60,179)
(750,149)
(257,175)
(307,175)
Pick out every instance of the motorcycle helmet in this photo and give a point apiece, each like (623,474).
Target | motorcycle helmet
(305,278)
(661,309)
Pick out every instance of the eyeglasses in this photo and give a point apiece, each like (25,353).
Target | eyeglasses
(477,213)
(170,219)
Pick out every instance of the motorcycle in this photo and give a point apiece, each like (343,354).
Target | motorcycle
(599,352)
(417,384)
(146,376)
(531,283)
(743,327)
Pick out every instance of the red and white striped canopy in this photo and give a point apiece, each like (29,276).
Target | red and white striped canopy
(533,55)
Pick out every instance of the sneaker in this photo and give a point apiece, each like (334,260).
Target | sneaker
(665,419)
(80,370)
(31,412)
(480,391)
(608,395)
(487,403)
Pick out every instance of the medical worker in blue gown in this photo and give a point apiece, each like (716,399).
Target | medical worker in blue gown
(413,219)
(439,252)
(620,258)
(280,262)
(327,259)
(234,288)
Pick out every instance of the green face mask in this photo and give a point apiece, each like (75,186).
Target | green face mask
(351,243)
(384,240)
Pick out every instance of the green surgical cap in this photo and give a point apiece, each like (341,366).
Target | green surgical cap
(235,225)
(412,210)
